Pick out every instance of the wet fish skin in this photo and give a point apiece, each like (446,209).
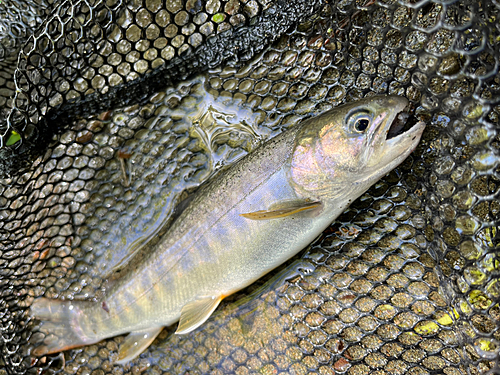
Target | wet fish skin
(212,251)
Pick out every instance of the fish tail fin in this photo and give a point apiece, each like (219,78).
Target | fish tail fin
(62,322)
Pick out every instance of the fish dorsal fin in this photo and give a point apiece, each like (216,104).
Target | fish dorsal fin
(282,210)
(135,343)
(195,313)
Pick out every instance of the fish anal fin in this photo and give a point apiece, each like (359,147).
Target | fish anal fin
(282,210)
(195,313)
(135,343)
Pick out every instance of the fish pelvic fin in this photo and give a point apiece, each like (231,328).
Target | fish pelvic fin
(282,210)
(195,313)
(60,321)
(135,343)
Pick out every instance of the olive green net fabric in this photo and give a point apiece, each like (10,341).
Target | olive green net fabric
(112,112)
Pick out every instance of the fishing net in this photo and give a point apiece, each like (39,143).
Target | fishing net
(112,112)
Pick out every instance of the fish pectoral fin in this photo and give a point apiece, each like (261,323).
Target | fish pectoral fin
(195,313)
(282,210)
(135,343)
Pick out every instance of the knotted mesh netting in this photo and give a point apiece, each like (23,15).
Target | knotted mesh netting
(112,112)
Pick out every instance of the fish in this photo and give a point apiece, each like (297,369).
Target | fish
(253,217)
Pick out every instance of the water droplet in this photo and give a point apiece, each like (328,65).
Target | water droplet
(466,225)
(473,110)
(474,276)
(445,188)
(444,165)
(485,160)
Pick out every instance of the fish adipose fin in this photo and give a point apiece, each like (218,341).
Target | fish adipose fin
(195,313)
(135,343)
(60,321)
(282,211)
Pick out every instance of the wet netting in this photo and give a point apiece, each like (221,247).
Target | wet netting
(112,112)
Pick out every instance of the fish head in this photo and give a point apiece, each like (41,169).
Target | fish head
(354,144)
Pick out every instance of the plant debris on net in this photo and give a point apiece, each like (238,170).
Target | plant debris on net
(114,111)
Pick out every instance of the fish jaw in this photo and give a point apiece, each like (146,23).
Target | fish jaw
(392,145)
(398,148)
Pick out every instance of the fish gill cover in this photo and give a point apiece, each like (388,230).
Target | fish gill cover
(112,111)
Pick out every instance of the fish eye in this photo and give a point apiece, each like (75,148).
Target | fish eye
(361,124)
(359,121)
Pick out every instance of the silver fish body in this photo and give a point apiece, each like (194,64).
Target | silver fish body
(252,218)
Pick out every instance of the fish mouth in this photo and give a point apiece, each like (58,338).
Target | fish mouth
(404,127)
(398,138)
(399,125)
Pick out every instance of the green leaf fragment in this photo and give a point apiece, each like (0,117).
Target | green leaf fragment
(219,17)
(14,138)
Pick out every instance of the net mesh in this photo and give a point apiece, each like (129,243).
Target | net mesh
(112,112)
